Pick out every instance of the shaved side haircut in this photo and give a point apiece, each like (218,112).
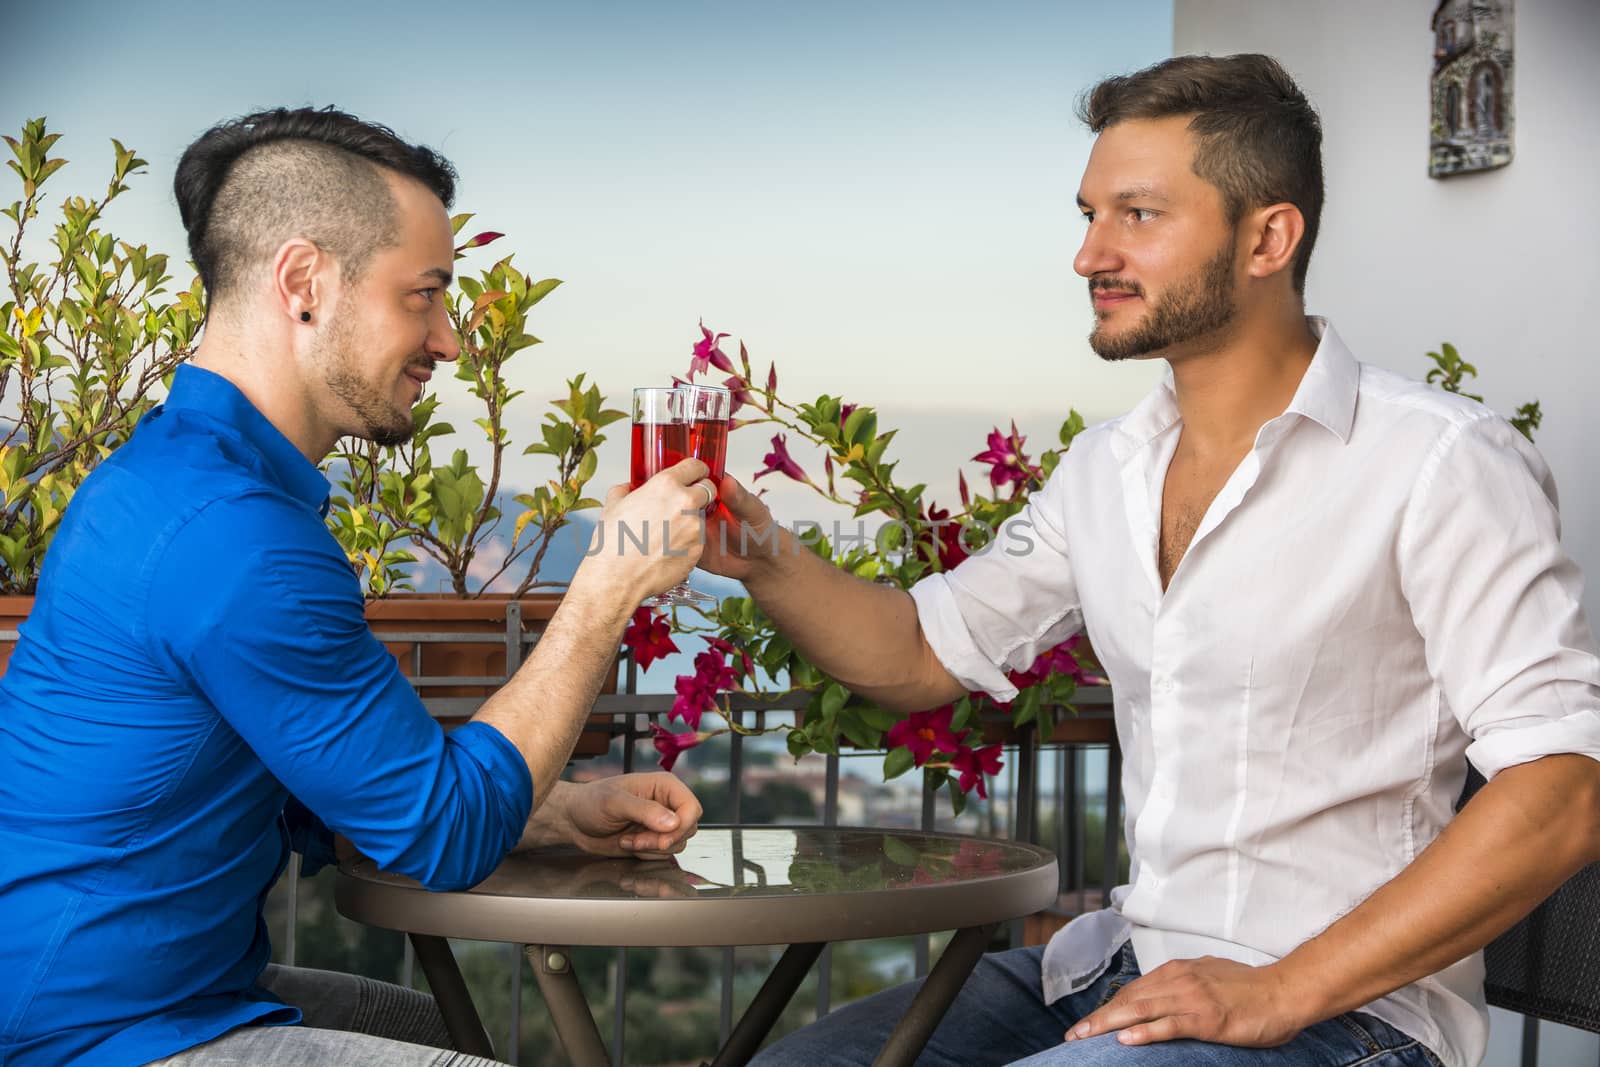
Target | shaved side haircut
(248,185)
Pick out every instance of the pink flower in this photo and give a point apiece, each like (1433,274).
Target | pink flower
(974,764)
(924,731)
(845,411)
(740,390)
(707,354)
(697,693)
(1058,660)
(1007,464)
(486,237)
(648,637)
(672,745)
(778,461)
(695,698)
(951,549)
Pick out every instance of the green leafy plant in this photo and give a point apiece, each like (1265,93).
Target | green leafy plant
(90,336)
(1449,372)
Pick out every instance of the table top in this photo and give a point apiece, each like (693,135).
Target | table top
(754,885)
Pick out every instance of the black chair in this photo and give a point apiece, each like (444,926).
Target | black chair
(1548,965)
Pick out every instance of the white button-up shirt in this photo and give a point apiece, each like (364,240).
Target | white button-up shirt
(1377,595)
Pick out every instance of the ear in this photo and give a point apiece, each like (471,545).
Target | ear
(301,280)
(1274,235)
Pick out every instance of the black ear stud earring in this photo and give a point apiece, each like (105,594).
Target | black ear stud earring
(305,316)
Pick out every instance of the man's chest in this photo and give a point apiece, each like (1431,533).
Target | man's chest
(1187,493)
(1229,572)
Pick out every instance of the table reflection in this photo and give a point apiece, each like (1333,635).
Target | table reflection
(721,862)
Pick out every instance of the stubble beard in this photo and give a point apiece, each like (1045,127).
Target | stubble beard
(1198,307)
(378,418)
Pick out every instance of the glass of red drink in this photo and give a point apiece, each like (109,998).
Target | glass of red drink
(706,409)
(660,440)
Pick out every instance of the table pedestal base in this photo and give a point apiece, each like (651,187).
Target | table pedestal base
(580,1035)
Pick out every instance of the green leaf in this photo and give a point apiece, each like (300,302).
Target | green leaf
(958,799)
(861,427)
(896,762)
(860,734)
(799,743)
(833,699)
(899,853)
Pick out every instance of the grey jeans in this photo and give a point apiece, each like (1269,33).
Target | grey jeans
(347,1020)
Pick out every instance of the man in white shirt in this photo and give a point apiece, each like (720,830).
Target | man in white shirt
(1318,588)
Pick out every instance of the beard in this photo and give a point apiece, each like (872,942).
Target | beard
(1192,308)
(379,419)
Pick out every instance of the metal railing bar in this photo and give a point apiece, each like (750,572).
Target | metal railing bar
(292,872)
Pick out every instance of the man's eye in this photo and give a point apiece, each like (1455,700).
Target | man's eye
(427,294)
(1087,216)
(1141,214)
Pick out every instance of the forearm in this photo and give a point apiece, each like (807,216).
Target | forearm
(548,824)
(863,634)
(1522,836)
(542,709)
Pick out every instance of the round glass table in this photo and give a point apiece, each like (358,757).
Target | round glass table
(802,886)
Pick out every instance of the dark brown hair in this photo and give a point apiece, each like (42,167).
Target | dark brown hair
(1260,141)
(247,185)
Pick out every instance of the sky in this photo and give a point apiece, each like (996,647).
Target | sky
(877,196)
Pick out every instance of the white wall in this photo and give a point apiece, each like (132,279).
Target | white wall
(1503,264)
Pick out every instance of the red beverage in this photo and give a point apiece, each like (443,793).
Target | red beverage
(708,442)
(657,446)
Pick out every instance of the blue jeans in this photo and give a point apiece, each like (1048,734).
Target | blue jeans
(1000,1017)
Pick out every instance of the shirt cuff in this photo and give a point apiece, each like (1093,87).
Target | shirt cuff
(506,768)
(947,634)
(1578,733)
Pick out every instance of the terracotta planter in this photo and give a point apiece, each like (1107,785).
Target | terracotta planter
(483,662)
(428,613)
(13,610)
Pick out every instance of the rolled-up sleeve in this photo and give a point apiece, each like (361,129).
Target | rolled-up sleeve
(1497,599)
(270,627)
(999,609)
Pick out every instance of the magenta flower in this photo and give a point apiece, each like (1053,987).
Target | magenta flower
(974,764)
(697,692)
(1007,464)
(694,699)
(708,354)
(778,461)
(672,745)
(924,731)
(845,410)
(648,637)
(1058,660)
(740,389)
(951,549)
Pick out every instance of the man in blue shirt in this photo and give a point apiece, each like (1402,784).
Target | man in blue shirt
(197,687)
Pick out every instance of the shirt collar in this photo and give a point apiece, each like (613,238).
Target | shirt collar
(1327,393)
(197,389)
(1326,396)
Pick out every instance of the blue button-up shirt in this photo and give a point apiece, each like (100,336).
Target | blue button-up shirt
(197,660)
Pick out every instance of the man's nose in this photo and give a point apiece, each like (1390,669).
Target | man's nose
(442,342)
(1098,253)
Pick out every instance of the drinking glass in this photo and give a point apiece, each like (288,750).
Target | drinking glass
(706,409)
(660,440)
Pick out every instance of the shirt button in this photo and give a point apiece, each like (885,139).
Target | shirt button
(1165,685)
